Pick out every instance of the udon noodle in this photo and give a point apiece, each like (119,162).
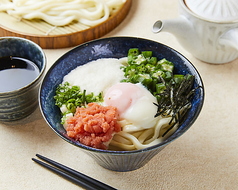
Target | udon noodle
(62,12)
(126,140)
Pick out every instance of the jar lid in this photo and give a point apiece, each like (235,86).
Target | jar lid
(214,10)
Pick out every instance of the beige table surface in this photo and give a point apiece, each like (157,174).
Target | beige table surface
(205,157)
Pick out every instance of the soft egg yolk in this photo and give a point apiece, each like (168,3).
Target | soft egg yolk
(134,104)
(122,95)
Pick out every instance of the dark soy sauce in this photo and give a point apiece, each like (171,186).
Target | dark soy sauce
(16,72)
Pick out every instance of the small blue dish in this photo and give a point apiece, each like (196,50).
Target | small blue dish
(115,47)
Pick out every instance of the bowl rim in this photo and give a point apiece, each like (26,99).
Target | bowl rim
(123,152)
(24,88)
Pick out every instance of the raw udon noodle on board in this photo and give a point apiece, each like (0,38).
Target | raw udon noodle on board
(143,111)
(62,12)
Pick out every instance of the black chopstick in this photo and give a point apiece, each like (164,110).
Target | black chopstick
(72,175)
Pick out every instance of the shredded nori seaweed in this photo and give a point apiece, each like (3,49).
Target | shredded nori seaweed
(176,99)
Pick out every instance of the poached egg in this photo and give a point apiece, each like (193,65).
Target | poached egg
(134,104)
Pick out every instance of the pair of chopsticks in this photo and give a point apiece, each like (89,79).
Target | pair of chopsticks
(74,176)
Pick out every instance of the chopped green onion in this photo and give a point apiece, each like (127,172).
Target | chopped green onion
(72,97)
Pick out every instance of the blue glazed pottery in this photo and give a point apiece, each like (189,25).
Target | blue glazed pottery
(115,47)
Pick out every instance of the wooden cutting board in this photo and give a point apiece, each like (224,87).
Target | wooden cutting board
(49,37)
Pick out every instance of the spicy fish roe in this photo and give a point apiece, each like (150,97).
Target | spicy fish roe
(94,126)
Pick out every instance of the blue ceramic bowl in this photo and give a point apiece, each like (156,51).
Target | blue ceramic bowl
(17,104)
(115,47)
